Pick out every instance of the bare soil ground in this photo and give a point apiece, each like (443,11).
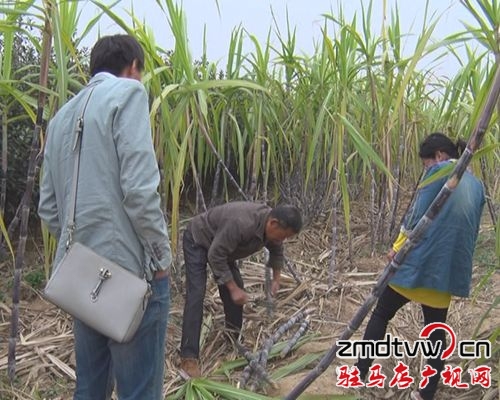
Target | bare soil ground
(45,360)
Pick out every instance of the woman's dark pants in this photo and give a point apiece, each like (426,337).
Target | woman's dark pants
(389,303)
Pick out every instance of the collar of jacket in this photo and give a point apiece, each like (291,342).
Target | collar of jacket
(100,76)
(261,229)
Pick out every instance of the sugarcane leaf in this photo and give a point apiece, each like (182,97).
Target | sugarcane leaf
(485,315)
(180,393)
(447,169)
(157,102)
(178,175)
(485,150)
(106,9)
(230,83)
(227,391)
(438,174)
(27,102)
(296,366)
(202,392)
(366,152)
(190,392)
(5,237)
(315,139)
(494,335)
(328,397)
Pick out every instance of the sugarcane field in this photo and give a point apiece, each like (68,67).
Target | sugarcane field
(249,200)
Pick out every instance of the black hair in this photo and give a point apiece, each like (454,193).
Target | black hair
(288,217)
(115,53)
(438,141)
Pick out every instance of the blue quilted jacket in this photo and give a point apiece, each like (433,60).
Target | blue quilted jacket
(442,260)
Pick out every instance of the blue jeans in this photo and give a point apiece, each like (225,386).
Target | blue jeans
(137,366)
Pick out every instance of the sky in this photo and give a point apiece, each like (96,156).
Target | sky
(216,19)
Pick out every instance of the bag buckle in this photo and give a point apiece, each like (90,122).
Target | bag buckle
(69,241)
(147,295)
(103,275)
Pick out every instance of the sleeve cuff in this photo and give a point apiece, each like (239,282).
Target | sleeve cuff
(226,277)
(278,267)
(164,264)
(161,256)
(400,241)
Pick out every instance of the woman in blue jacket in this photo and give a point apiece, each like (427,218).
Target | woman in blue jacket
(440,265)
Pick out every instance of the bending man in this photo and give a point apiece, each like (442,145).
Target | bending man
(221,236)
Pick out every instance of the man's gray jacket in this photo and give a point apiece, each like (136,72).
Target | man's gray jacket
(118,211)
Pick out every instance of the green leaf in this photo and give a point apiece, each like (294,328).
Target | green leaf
(296,366)
(5,236)
(366,152)
(227,391)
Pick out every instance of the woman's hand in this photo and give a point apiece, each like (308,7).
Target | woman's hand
(391,254)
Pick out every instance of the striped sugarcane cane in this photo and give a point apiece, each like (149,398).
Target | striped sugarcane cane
(304,325)
(34,162)
(254,368)
(414,237)
(257,363)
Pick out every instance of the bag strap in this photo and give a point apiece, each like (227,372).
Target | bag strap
(77,146)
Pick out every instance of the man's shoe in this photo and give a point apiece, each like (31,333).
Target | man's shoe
(190,367)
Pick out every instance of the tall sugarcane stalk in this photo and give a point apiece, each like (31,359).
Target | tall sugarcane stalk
(399,174)
(200,199)
(3,181)
(332,265)
(414,237)
(393,235)
(489,201)
(295,276)
(34,160)
(14,223)
(218,168)
(268,285)
(6,64)
(220,161)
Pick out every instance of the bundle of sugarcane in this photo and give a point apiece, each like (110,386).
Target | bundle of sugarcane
(255,375)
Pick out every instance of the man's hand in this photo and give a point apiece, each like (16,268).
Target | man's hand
(238,295)
(391,254)
(275,286)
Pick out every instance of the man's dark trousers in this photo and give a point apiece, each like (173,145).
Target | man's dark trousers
(195,260)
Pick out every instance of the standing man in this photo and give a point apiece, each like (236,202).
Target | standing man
(118,214)
(221,236)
